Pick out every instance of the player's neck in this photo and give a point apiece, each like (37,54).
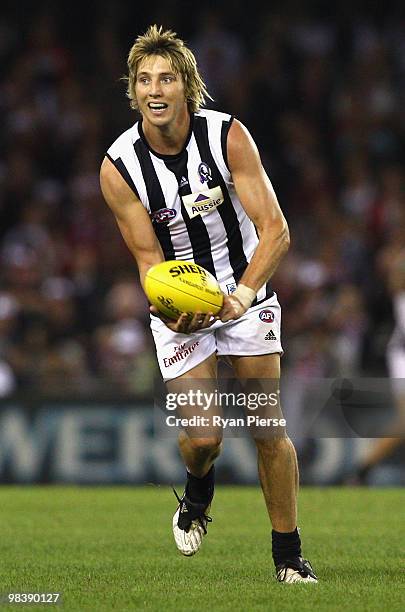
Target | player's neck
(167,139)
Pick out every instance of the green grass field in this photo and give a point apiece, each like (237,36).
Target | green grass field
(112,549)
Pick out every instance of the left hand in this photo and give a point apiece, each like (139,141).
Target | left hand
(231,309)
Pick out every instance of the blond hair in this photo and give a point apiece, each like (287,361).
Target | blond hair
(165,43)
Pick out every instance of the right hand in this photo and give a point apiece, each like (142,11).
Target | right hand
(186,324)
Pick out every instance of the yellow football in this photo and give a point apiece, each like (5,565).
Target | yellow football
(182,286)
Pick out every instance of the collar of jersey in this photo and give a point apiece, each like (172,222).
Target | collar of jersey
(160,155)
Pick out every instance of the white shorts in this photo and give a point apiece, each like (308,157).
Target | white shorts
(396,368)
(396,362)
(257,332)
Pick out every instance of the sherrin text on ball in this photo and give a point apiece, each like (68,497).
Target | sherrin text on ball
(182,286)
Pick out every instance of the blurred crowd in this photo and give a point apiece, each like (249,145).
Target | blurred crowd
(323,97)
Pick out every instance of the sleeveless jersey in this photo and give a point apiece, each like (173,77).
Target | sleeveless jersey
(191,199)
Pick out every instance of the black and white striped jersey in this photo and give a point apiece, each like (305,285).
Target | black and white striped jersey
(191,199)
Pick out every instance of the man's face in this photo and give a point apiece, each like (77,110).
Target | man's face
(159,91)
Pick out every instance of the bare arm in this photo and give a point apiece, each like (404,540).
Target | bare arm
(260,203)
(132,219)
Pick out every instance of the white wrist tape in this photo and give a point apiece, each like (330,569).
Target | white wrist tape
(245,295)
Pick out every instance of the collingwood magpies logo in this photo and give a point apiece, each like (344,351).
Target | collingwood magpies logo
(205,172)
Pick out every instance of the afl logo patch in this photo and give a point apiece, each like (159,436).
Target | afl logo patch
(163,215)
(267,316)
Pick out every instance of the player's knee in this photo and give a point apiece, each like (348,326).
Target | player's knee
(273,446)
(210,446)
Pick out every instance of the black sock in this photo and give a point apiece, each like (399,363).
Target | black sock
(201,490)
(285,545)
(363,472)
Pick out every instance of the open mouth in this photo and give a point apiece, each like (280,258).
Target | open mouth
(157,107)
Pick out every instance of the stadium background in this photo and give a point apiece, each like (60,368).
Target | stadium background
(322,91)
